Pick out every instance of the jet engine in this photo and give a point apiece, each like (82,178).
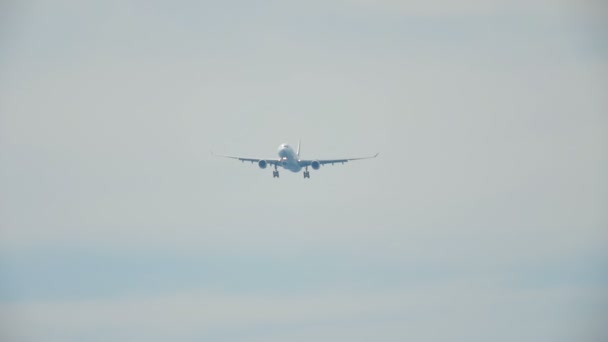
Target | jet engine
(262,164)
(315,165)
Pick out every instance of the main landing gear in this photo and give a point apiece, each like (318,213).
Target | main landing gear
(275,173)
(306,173)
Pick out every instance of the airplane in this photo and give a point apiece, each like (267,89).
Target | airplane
(290,160)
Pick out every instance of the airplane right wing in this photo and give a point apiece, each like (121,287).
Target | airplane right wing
(251,160)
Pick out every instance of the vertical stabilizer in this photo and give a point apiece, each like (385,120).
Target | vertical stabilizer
(299,141)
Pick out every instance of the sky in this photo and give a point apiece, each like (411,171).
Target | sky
(483,218)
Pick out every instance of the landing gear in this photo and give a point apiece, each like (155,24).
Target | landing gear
(306,173)
(275,173)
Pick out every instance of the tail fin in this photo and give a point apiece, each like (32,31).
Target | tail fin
(299,141)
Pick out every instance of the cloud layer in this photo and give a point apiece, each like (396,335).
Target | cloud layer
(482,219)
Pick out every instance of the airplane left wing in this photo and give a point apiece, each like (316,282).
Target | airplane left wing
(333,161)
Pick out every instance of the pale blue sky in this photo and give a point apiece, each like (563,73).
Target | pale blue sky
(483,218)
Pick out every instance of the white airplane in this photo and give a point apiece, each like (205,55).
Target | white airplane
(290,160)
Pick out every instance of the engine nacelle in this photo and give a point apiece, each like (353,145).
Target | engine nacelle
(315,165)
(262,164)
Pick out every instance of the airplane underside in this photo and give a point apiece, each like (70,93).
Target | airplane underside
(275,172)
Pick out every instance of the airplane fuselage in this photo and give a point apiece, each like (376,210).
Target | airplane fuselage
(288,158)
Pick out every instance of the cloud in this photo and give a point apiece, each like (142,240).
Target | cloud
(99,163)
(463,311)
(490,120)
(473,7)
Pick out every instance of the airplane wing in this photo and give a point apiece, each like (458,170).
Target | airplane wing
(333,161)
(251,160)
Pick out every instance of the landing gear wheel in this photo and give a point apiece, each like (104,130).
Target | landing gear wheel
(275,174)
(306,174)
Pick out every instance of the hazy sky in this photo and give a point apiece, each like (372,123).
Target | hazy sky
(484,218)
